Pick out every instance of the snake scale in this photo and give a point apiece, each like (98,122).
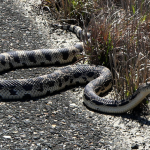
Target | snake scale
(97,78)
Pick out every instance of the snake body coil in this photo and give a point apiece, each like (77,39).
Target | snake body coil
(99,78)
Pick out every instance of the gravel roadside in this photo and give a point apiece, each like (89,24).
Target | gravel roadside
(60,121)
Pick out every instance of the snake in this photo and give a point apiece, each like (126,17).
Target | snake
(98,79)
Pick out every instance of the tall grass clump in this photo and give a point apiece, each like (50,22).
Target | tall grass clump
(120,40)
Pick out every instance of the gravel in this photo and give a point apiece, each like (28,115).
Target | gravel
(59,121)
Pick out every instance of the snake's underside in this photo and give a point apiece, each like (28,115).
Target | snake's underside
(99,78)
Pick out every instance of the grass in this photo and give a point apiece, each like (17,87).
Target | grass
(120,37)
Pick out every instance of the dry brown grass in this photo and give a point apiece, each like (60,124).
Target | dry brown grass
(121,40)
